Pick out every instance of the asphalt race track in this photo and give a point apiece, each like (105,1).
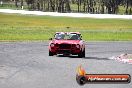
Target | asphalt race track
(27,65)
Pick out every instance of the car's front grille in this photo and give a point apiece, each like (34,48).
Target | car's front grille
(64,51)
(64,46)
(73,45)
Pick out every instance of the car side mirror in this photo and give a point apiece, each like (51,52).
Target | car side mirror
(50,38)
(80,37)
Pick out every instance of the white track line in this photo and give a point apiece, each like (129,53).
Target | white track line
(101,16)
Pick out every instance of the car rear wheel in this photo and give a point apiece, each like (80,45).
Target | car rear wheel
(50,53)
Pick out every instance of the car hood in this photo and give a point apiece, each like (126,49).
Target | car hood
(66,41)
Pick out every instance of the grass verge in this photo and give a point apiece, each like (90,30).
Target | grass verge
(15,27)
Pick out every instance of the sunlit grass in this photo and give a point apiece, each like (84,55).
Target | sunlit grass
(28,27)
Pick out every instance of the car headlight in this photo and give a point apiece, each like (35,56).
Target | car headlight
(78,46)
(52,45)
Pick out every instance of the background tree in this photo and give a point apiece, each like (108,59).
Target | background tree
(21,3)
(86,6)
(16,3)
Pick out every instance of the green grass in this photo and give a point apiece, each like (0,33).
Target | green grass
(12,6)
(15,27)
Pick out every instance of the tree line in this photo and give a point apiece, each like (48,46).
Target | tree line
(83,6)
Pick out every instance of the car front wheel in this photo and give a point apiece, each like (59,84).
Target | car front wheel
(50,53)
(82,54)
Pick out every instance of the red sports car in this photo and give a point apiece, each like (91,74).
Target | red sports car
(67,43)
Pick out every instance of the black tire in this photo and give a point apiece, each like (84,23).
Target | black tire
(82,54)
(50,53)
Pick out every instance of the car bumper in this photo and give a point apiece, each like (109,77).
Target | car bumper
(65,51)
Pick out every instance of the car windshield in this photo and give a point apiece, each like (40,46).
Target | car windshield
(70,36)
